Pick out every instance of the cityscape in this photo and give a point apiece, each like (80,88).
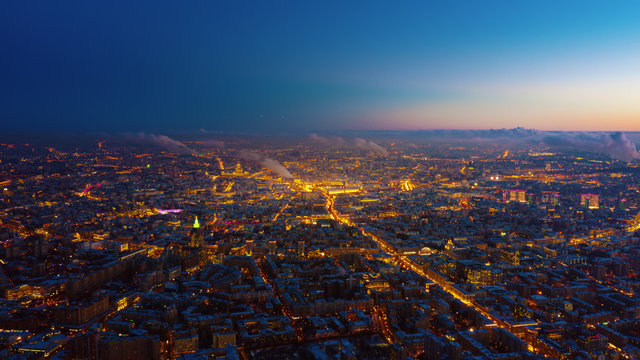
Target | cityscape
(320,180)
(342,248)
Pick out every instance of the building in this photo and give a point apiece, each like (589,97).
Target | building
(550,197)
(515,196)
(196,236)
(194,253)
(590,201)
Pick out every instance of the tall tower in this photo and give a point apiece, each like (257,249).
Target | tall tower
(196,236)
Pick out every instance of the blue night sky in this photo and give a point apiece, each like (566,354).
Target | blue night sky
(257,66)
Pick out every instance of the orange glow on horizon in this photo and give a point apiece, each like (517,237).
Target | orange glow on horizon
(457,117)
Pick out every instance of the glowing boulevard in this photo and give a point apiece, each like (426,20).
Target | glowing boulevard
(407,263)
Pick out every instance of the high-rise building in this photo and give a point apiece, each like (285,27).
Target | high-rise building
(590,201)
(272,247)
(194,252)
(196,236)
(515,196)
(249,245)
(550,197)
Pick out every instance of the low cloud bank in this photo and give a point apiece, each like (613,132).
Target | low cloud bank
(614,144)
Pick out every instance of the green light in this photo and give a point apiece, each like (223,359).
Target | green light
(148,165)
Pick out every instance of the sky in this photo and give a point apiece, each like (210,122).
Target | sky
(278,66)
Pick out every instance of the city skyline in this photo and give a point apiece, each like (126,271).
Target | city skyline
(269,68)
(423,180)
(425,247)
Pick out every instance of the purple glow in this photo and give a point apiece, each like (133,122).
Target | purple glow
(165,211)
(89,187)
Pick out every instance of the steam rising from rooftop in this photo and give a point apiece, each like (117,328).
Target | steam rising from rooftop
(269,163)
(163,141)
(360,143)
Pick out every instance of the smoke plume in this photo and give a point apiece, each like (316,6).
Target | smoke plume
(370,146)
(213,142)
(328,141)
(337,141)
(163,141)
(277,168)
(269,163)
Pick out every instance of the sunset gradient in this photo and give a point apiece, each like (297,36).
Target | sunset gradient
(311,66)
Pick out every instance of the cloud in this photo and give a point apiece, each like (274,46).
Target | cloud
(269,163)
(615,144)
